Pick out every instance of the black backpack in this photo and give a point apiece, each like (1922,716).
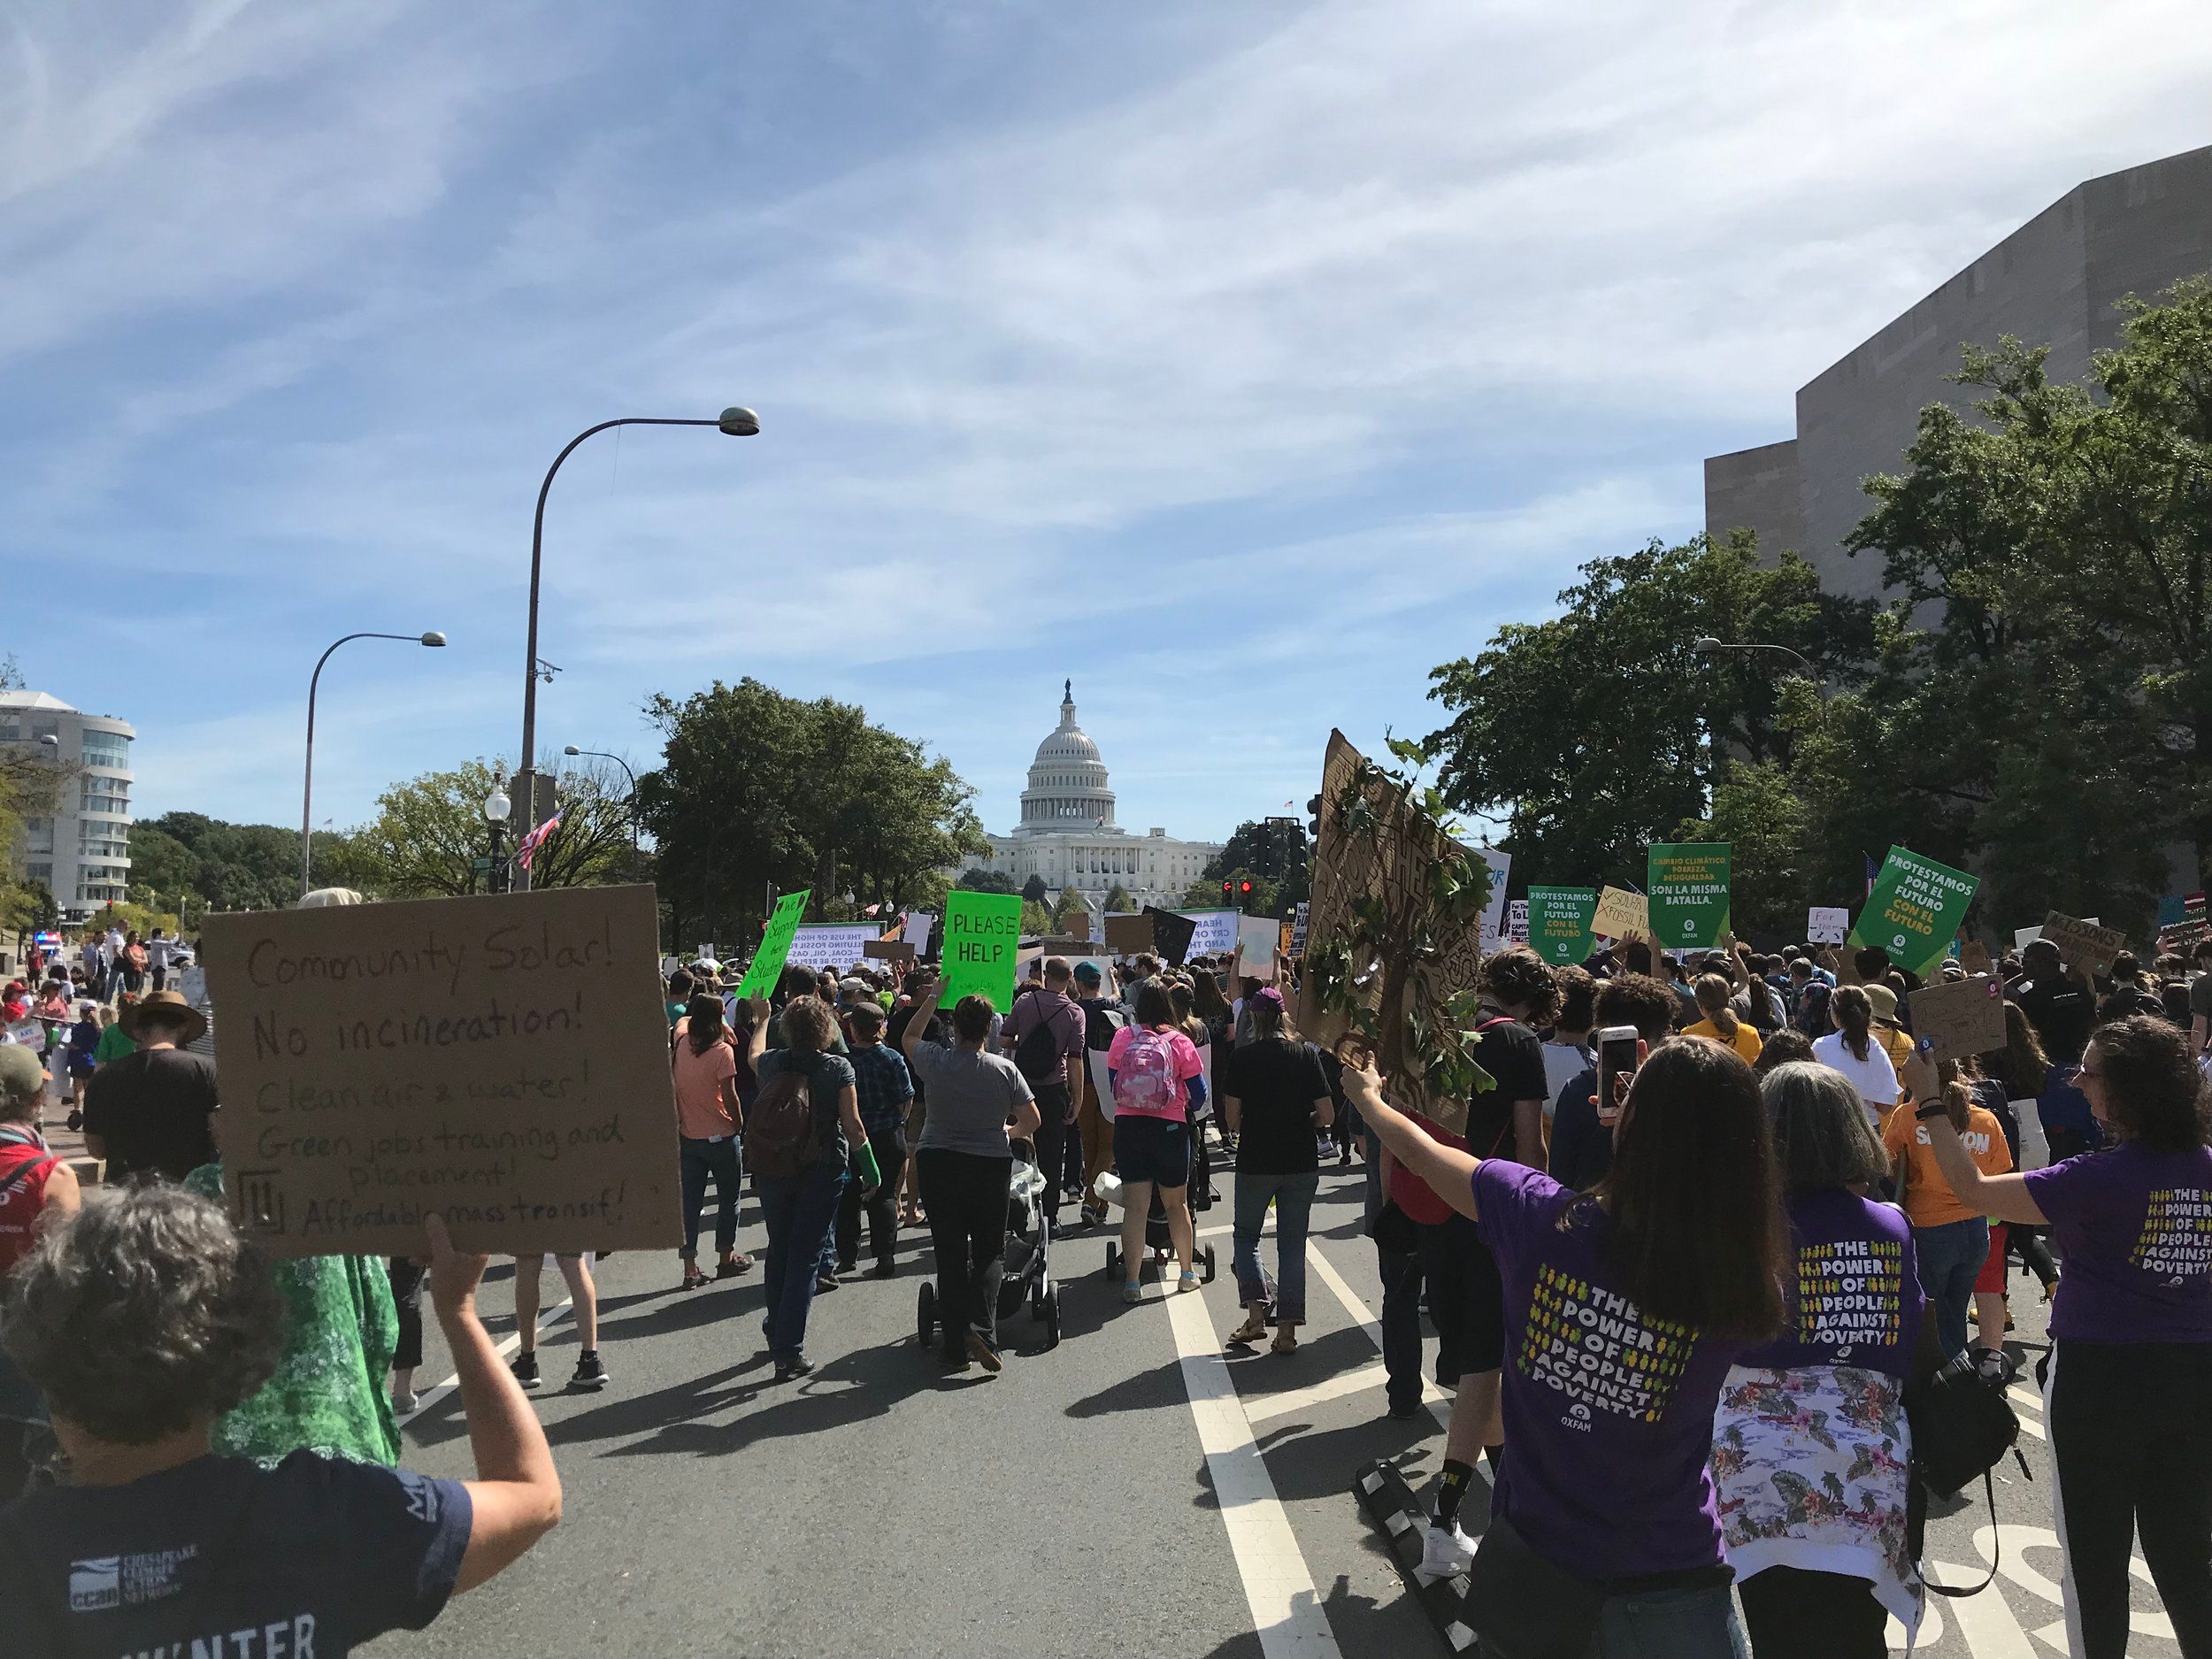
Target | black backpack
(1037,1055)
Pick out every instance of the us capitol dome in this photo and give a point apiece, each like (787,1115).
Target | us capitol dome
(1067,837)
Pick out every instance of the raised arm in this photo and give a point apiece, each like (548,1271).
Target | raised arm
(918,1021)
(756,1044)
(1449,1170)
(2005,1197)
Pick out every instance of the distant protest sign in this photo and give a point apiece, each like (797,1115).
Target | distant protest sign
(1501,864)
(1261,936)
(775,945)
(1560,923)
(1963,1018)
(1914,909)
(1213,933)
(1171,933)
(2084,941)
(1826,925)
(1298,923)
(982,936)
(833,945)
(918,924)
(1128,935)
(1688,883)
(1622,915)
(500,1060)
(1517,921)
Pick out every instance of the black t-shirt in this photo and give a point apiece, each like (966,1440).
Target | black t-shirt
(317,1556)
(1275,1085)
(152,1110)
(1514,1055)
(2061,1012)
(1581,1147)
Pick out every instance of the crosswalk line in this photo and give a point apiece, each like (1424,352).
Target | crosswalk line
(1260,1408)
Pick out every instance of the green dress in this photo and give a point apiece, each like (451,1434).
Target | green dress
(327,1395)
(114,1043)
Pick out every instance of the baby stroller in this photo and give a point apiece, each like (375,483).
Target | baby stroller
(1027,1256)
(1201,1196)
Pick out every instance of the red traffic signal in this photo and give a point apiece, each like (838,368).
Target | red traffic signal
(1225,889)
(1244,886)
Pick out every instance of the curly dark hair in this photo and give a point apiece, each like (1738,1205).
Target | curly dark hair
(2157,1094)
(1578,998)
(1518,976)
(143,1315)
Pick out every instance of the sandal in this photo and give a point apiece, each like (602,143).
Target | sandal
(1285,1340)
(732,1268)
(693,1278)
(1253,1329)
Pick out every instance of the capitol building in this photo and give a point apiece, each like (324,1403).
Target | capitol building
(1067,837)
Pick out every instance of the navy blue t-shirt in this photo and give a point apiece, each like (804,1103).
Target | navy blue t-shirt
(313,1558)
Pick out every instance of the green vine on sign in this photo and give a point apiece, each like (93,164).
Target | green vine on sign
(1377,975)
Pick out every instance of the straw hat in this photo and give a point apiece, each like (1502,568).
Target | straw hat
(168,1001)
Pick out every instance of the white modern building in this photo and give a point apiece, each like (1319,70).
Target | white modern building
(81,852)
(1067,837)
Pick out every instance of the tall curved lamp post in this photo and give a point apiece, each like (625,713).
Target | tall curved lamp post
(307,788)
(1803,661)
(734,421)
(636,857)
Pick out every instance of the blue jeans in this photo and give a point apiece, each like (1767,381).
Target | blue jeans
(703,1161)
(799,1212)
(1294,1205)
(1951,1258)
(1698,1623)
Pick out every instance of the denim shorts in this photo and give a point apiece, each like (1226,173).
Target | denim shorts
(1155,1150)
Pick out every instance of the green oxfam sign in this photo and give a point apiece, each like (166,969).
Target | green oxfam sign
(1559,921)
(1689,892)
(1914,909)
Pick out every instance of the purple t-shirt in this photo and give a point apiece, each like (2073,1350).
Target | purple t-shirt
(1855,1298)
(1609,1413)
(2135,1227)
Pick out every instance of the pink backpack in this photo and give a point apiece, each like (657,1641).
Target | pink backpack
(1145,1081)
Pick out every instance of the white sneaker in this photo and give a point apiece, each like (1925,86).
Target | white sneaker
(403,1401)
(1446,1553)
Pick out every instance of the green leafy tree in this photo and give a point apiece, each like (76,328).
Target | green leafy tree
(1265,898)
(429,832)
(756,788)
(1117,900)
(1597,733)
(1036,920)
(1271,849)
(987,881)
(1066,908)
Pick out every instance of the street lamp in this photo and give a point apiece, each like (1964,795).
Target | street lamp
(307,788)
(496,809)
(1803,661)
(636,857)
(734,422)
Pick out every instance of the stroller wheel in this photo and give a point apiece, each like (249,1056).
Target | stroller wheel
(1206,1256)
(1052,1317)
(1113,1262)
(925,1314)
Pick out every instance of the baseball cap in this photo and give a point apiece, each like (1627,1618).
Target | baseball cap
(1088,972)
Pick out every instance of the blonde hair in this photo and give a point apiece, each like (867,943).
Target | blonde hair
(1712,992)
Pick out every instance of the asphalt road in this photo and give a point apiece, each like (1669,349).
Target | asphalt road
(1132,1491)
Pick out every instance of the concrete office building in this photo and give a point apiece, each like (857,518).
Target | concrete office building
(2055,281)
(82,851)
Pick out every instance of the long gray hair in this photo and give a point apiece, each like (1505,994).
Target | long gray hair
(1822,1138)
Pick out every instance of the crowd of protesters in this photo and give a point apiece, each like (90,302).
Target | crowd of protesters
(1646,1278)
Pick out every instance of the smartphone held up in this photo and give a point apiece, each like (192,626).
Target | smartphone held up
(1619,1052)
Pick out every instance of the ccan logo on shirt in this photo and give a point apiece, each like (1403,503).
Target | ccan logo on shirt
(99,1582)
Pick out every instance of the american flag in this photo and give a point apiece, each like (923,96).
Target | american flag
(1868,862)
(534,840)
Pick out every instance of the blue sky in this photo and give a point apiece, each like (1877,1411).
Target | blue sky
(1243,362)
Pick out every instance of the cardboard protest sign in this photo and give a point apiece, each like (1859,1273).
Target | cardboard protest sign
(1298,923)
(775,945)
(1622,915)
(501,1060)
(889,950)
(918,924)
(1213,933)
(982,933)
(1493,913)
(1560,923)
(1827,925)
(1689,892)
(833,945)
(1260,935)
(1390,869)
(1974,957)
(1128,935)
(1078,925)
(1961,1017)
(2084,941)
(1914,909)
(2022,935)
(1172,935)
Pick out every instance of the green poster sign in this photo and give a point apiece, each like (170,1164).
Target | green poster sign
(1689,892)
(1559,923)
(1914,909)
(982,931)
(775,945)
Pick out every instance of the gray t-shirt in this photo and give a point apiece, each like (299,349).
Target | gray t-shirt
(970,1096)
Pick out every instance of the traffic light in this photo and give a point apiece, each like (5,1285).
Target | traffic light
(1244,888)
(1313,824)
(1225,889)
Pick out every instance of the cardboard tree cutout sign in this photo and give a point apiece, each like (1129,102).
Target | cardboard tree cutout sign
(500,1060)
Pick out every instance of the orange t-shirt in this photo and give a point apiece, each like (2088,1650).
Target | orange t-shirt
(1929,1199)
(701,1113)
(1746,1042)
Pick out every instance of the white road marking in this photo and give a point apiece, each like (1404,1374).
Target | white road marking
(1287,1611)
(1439,1403)
(1259,1408)
(548,1317)
(1985,1623)
(2026,1397)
